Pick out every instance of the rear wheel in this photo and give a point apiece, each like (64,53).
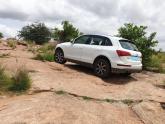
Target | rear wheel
(102,68)
(59,56)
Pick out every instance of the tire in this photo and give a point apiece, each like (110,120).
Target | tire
(102,68)
(59,57)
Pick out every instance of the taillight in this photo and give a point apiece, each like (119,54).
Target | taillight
(123,53)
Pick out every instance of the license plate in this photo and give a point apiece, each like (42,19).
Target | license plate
(135,58)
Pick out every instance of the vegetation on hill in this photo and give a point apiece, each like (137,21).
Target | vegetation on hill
(38,33)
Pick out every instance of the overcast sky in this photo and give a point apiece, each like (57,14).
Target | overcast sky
(90,16)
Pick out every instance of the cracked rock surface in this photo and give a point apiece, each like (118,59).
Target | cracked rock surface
(62,109)
(43,105)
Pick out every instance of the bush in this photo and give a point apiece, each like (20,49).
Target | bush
(142,40)
(37,32)
(20,81)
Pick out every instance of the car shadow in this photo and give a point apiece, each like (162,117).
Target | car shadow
(117,79)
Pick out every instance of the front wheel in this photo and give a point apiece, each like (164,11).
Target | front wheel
(59,57)
(102,68)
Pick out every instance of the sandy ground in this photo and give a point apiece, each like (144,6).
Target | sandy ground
(43,105)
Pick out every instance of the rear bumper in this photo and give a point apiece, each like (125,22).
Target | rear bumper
(116,70)
(127,69)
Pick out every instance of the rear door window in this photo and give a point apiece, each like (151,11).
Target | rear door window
(83,40)
(126,44)
(100,40)
(107,42)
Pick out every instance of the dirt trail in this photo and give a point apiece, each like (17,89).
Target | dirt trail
(48,107)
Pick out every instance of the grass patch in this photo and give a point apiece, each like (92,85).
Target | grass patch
(19,82)
(110,100)
(31,46)
(161,85)
(161,56)
(48,56)
(46,47)
(157,63)
(12,44)
(124,101)
(87,98)
(45,53)
(4,55)
(5,80)
(60,92)
(127,101)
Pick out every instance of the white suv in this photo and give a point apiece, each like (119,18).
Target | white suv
(105,54)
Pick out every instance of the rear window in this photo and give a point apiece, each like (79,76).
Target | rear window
(128,45)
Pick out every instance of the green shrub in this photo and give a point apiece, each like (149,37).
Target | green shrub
(20,81)
(37,32)
(144,41)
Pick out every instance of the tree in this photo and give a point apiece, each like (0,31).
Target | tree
(37,32)
(68,32)
(1,35)
(137,34)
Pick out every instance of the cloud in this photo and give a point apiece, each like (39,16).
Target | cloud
(90,16)
(7,31)
(13,15)
(101,8)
